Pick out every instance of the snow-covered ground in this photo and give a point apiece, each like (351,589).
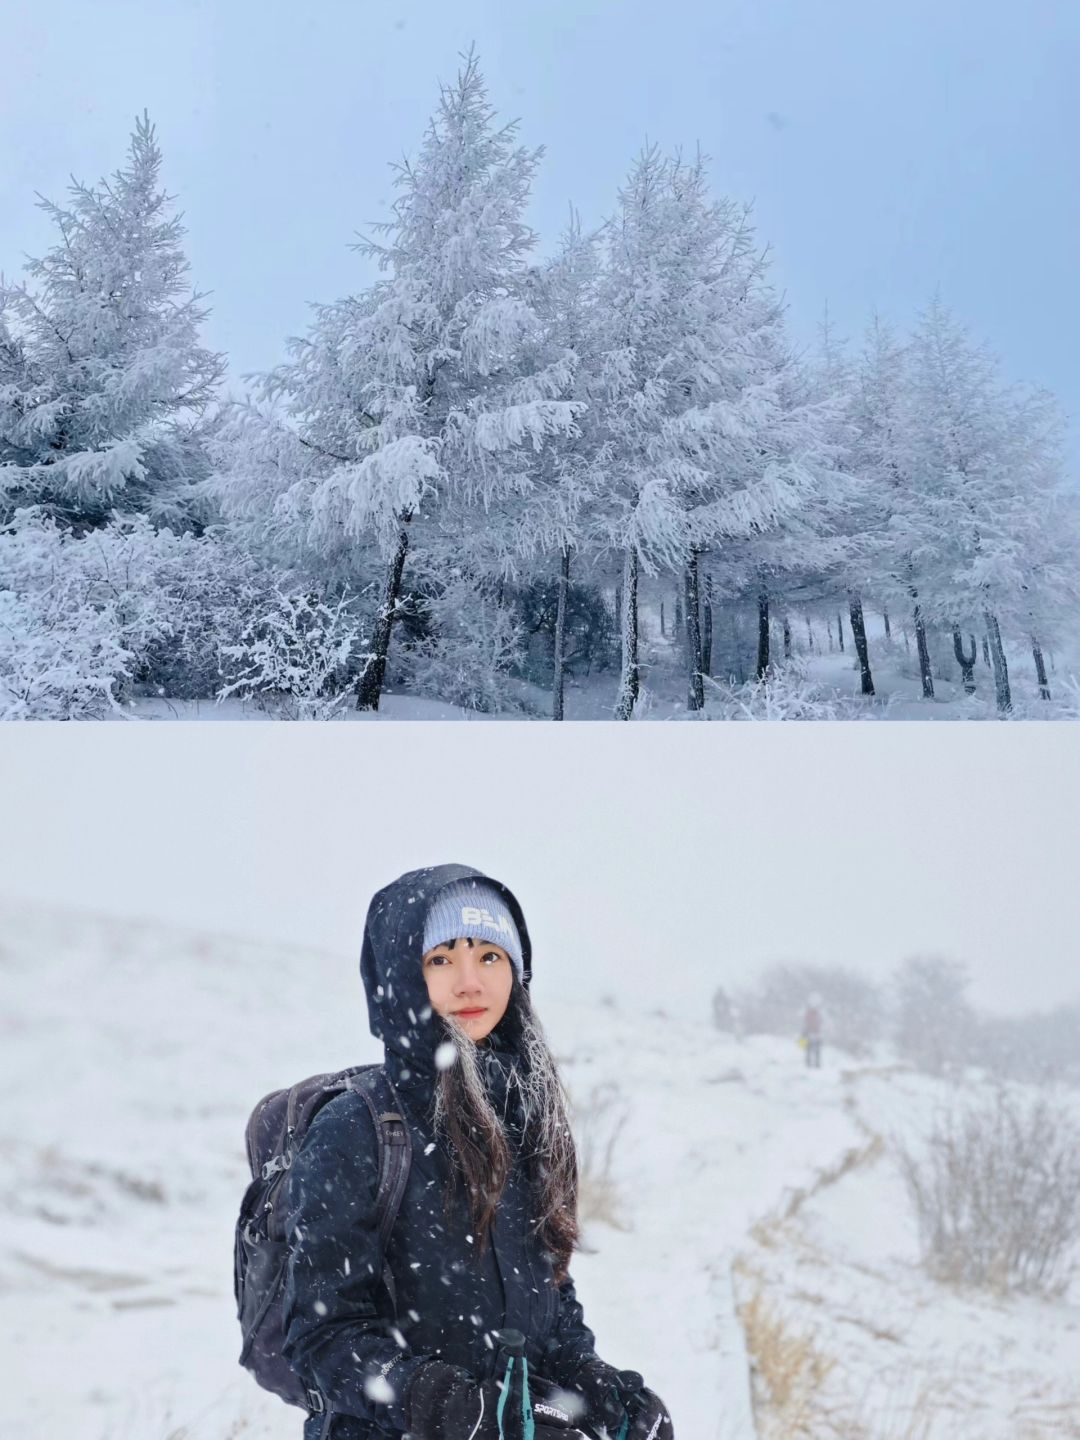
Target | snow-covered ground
(829,688)
(133,1053)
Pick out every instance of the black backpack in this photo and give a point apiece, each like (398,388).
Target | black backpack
(274,1134)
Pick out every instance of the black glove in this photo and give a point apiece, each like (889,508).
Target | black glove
(444,1402)
(553,1409)
(649,1418)
(606,1393)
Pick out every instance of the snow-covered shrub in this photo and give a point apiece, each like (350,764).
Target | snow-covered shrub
(88,619)
(296,656)
(787,693)
(1064,702)
(996,1191)
(470,652)
(72,628)
(60,659)
(213,588)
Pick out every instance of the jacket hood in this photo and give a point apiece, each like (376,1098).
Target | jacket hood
(399,1012)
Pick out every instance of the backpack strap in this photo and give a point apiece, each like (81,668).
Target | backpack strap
(395,1159)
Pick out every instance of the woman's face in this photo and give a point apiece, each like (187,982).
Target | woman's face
(469,981)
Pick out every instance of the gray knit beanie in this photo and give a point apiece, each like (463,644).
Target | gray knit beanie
(469,908)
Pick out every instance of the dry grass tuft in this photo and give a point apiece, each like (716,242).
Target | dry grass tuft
(599,1121)
(787,1371)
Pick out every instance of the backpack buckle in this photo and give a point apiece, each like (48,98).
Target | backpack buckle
(279,1162)
(316,1404)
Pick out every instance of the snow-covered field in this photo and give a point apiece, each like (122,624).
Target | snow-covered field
(133,1053)
(826,687)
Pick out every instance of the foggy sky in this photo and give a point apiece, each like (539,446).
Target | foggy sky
(651,860)
(889,148)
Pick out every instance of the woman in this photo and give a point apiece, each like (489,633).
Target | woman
(482,1242)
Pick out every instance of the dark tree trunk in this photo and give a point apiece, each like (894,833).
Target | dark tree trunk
(628,683)
(618,605)
(706,629)
(840,630)
(1040,668)
(1002,692)
(828,632)
(888,630)
(369,688)
(858,631)
(965,660)
(677,632)
(787,638)
(923,648)
(974,645)
(986,652)
(663,632)
(809,633)
(763,633)
(736,648)
(696,688)
(560,635)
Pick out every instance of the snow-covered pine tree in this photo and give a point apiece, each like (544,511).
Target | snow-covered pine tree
(854,519)
(1022,566)
(982,464)
(801,561)
(878,411)
(560,512)
(703,446)
(417,402)
(828,547)
(1047,609)
(106,394)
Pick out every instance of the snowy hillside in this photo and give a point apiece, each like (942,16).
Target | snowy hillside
(132,1055)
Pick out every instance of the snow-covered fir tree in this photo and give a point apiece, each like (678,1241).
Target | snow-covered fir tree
(877,411)
(981,470)
(800,564)
(422,401)
(106,393)
(704,447)
(561,512)
(826,554)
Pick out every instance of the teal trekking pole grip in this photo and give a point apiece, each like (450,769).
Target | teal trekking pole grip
(515,1390)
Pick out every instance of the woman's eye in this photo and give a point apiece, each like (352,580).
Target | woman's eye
(491,955)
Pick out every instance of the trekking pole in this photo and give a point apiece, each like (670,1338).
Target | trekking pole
(514,1414)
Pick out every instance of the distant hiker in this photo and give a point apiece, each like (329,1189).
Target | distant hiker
(813,1023)
(476,1332)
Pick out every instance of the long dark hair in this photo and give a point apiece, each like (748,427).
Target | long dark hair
(476,1138)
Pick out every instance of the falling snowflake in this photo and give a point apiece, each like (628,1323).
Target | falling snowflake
(379,1389)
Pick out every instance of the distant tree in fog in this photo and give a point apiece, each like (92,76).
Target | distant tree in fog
(934,1025)
(1040,1048)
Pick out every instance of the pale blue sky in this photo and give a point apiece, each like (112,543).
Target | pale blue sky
(889,147)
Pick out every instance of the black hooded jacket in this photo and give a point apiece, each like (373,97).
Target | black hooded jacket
(340,1336)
